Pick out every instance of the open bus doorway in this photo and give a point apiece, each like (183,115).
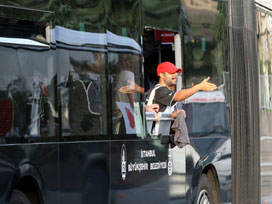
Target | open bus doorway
(158,46)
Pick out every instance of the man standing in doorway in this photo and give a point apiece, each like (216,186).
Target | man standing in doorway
(163,93)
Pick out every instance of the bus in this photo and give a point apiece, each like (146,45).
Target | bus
(68,134)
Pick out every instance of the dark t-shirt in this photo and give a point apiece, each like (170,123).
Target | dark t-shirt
(163,96)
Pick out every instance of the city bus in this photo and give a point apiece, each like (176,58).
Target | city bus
(69,134)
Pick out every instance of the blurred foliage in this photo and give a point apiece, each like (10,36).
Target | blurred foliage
(102,15)
(220,53)
(33,4)
(164,15)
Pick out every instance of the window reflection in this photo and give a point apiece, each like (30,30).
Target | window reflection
(29,82)
(126,102)
(85,94)
(206,54)
(125,65)
(205,42)
(264,43)
(81,62)
(264,47)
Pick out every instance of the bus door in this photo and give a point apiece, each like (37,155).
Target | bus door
(160,46)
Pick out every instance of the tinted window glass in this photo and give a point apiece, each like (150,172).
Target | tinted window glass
(206,54)
(127,118)
(161,14)
(81,63)
(28,80)
(264,42)
(89,16)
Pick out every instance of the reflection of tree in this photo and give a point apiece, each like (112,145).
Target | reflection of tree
(205,41)
(81,15)
(65,16)
(34,4)
(162,14)
(221,50)
(29,10)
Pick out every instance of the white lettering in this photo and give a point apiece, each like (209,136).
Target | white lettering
(148,153)
(137,166)
(158,165)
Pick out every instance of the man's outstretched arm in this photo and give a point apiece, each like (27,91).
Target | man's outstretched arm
(185,93)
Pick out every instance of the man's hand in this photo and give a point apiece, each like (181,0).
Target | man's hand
(154,108)
(129,88)
(132,87)
(185,93)
(206,86)
(176,112)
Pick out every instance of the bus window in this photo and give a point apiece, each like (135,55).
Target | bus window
(125,62)
(205,50)
(82,83)
(28,79)
(126,106)
(264,44)
(85,93)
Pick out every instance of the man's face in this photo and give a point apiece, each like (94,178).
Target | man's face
(170,79)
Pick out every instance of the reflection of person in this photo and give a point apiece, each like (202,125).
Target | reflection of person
(165,96)
(16,90)
(125,76)
(125,69)
(86,97)
(133,88)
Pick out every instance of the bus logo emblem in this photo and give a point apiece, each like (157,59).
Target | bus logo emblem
(170,161)
(170,168)
(123,162)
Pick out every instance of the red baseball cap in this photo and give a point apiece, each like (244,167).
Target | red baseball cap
(167,67)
